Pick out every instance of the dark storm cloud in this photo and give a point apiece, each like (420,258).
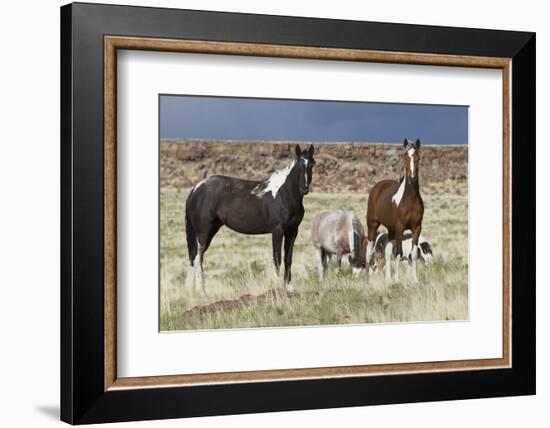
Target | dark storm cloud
(273,119)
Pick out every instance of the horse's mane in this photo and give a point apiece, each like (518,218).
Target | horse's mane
(273,182)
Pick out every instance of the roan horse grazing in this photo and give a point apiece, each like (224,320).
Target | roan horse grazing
(399,207)
(273,205)
(338,232)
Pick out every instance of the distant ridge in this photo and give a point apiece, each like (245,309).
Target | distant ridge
(340,167)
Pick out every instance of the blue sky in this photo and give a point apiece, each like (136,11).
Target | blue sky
(306,120)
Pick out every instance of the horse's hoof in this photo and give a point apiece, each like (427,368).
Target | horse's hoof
(290,291)
(200,291)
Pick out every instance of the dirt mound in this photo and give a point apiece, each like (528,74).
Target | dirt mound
(340,167)
(269,296)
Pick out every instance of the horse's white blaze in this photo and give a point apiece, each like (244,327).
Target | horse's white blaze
(399,194)
(356,271)
(305,173)
(199,184)
(274,182)
(410,152)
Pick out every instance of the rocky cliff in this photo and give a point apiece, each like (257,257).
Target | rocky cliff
(340,167)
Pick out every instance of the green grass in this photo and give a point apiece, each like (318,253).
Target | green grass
(236,265)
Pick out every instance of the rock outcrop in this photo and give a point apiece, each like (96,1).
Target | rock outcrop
(340,167)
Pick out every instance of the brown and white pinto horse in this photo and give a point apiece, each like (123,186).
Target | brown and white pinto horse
(398,206)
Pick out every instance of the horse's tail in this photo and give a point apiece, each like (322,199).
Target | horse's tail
(354,235)
(190,234)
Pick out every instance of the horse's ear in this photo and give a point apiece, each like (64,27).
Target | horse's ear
(311,150)
(405,143)
(417,144)
(298,150)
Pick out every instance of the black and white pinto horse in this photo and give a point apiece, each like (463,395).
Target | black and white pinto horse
(274,205)
(384,250)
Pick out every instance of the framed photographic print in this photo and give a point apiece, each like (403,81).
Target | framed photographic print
(265,213)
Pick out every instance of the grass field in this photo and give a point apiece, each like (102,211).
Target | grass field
(238,268)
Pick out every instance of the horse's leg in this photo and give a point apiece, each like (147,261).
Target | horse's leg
(321,263)
(363,253)
(190,282)
(339,259)
(199,272)
(398,250)
(203,242)
(388,253)
(290,237)
(371,234)
(326,259)
(277,241)
(414,251)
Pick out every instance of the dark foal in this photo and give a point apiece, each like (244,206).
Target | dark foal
(398,206)
(274,205)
